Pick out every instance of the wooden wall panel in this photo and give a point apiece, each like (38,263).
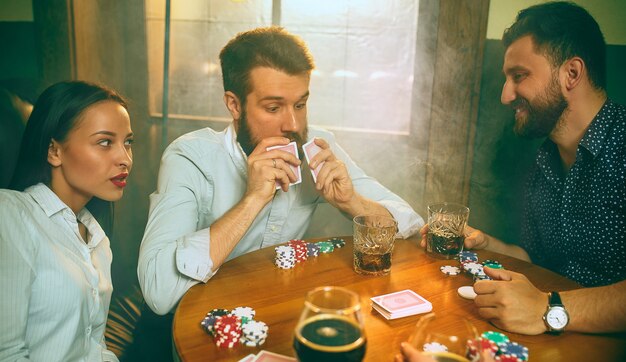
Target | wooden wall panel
(461,33)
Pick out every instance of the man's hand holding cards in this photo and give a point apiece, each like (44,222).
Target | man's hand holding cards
(310,150)
(292,148)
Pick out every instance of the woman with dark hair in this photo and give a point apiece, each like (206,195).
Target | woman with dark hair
(55,258)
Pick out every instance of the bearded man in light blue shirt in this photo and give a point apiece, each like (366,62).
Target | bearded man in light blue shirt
(217,194)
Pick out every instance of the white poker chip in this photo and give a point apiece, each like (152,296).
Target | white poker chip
(473,268)
(467,292)
(434,347)
(450,270)
(244,312)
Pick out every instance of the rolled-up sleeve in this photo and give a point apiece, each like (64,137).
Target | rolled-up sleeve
(174,254)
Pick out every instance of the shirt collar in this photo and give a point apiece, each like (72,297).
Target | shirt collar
(51,204)
(234,149)
(593,140)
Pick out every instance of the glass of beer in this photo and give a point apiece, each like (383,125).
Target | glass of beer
(374,237)
(446,337)
(446,229)
(330,327)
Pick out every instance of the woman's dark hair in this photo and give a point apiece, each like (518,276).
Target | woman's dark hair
(54,115)
(561,31)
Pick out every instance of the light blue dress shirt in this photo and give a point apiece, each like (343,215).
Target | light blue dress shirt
(203,175)
(55,289)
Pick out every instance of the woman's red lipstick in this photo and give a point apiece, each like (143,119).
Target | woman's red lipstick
(120,180)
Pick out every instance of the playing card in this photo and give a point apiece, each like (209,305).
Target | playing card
(311,149)
(267,356)
(293,149)
(248,358)
(402,301)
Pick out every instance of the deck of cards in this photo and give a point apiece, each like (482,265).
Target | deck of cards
(401,304)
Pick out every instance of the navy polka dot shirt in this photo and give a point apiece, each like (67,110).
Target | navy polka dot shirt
(575,223)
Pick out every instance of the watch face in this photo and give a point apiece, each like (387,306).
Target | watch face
(557,318)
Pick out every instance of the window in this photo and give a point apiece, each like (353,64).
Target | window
(364,52)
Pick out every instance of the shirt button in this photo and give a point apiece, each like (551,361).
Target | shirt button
(88,330)
(273,228)
(94,292)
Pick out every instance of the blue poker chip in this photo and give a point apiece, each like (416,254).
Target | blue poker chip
(467,255)
(514,349)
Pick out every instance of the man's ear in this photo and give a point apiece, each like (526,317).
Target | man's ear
(54,154)
(233,104)
(573,72)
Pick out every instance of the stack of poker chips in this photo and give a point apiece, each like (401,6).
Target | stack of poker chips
(300,248)
(254,333)
(313,250)
(297,251)
(231,328)
(505,350)
(227,331)
(285,257)
(498,344)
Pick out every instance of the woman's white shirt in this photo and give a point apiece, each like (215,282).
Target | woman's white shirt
(55,288)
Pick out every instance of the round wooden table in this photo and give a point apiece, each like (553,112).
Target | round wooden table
(277,296)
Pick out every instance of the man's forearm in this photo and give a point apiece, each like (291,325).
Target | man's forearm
(596,310)
(363,206)
(228,230)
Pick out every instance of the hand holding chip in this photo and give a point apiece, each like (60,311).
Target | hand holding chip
(511,302)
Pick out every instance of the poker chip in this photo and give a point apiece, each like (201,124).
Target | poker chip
(286,256)
(300,249)
(434,347)
(218,312)
(208,324)
(450,270)
(236,327)
(482,276)
(497,337)
(467,292)
(337,243)
(326,247)
(476,346)
(468,256)
(473,268)
(254,333)
(313,249)
(508,358)
(514,349)
(492,264)
(246,314)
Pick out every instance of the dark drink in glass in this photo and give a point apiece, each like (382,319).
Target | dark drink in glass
(446,229)
(446,246)
(329,338)
(374,264)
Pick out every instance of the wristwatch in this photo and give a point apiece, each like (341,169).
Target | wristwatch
(556,317)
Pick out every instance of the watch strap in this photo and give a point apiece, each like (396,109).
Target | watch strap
(554,299)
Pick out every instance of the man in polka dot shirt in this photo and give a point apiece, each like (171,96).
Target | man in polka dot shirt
(575,219)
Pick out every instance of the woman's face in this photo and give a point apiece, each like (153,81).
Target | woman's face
(95,158)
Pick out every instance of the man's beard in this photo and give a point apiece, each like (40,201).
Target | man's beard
(544,114)
(248,142)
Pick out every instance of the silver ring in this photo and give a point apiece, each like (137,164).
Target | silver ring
(274,162)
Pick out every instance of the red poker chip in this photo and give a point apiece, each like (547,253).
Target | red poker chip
(508,358)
